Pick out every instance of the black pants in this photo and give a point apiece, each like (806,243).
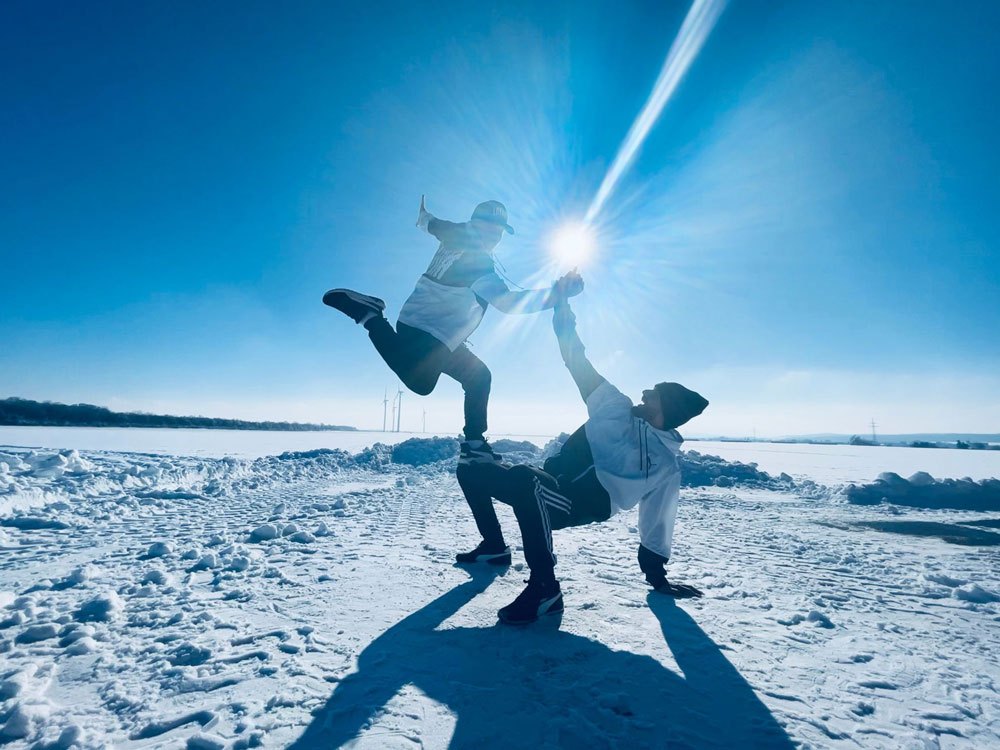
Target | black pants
(539,502)
(419,359)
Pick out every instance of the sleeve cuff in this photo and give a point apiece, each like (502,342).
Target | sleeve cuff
(424,219)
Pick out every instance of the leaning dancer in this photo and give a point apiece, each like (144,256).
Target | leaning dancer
(623,456)
(446,306)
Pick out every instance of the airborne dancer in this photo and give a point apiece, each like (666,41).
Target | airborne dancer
(445,308)
(623,456)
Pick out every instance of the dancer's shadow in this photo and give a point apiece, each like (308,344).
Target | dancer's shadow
(538,687)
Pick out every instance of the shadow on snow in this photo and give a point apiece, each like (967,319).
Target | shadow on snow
(537,686)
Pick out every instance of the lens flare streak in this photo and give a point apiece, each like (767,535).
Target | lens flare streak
(694,31)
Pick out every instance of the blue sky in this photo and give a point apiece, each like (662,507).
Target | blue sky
(809,236)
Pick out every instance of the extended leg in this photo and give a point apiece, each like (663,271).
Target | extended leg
(475,378)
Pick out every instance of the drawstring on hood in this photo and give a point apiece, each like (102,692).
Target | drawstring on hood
(664,436)
(671,438)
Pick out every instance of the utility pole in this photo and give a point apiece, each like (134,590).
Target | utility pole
(385,406)
(399,412)
(874,439)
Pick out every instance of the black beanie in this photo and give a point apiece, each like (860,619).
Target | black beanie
(679,404)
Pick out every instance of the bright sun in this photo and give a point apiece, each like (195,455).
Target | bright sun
(573,243)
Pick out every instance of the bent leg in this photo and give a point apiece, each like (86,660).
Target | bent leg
(477,482)
(475,378)
(415,356)
(537,504)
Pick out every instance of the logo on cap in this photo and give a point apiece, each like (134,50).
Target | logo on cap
(493,212)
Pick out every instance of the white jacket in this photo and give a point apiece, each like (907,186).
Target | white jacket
(635,463)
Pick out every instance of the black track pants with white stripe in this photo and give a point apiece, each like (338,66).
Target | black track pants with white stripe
(419,360)
(535,499)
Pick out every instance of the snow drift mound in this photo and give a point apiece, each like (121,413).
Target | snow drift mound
(35,478)
(699,470)
(924,491)
(423,451)
(426,451)
(702,470)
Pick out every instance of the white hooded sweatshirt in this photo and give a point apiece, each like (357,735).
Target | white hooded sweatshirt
(635,463)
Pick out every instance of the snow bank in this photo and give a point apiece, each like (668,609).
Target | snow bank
(423,451)
(924,491)
(703,470)
(426,451)
(60,479)
(698,470)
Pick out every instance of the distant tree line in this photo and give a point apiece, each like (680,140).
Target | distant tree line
(968,445)
(20,411)
(960,444)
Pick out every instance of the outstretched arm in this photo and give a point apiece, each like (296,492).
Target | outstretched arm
(439,228)
(492,289)
(573,352)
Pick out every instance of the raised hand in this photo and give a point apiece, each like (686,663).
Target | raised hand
(423,210)
(570,285)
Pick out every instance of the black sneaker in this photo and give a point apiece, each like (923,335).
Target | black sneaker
(354,304)
(478,452)
(486,553)
(536,600)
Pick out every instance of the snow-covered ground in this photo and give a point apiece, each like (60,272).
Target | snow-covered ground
(309,600)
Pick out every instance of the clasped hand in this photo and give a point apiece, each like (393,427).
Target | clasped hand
(569,285)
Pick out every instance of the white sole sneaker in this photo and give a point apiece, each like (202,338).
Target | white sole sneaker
(551,606)
(335,298)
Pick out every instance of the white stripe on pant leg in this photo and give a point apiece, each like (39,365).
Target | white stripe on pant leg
(544,511)
(564,508)
(552,493)
(554,499)
(546,525)
(556,504)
